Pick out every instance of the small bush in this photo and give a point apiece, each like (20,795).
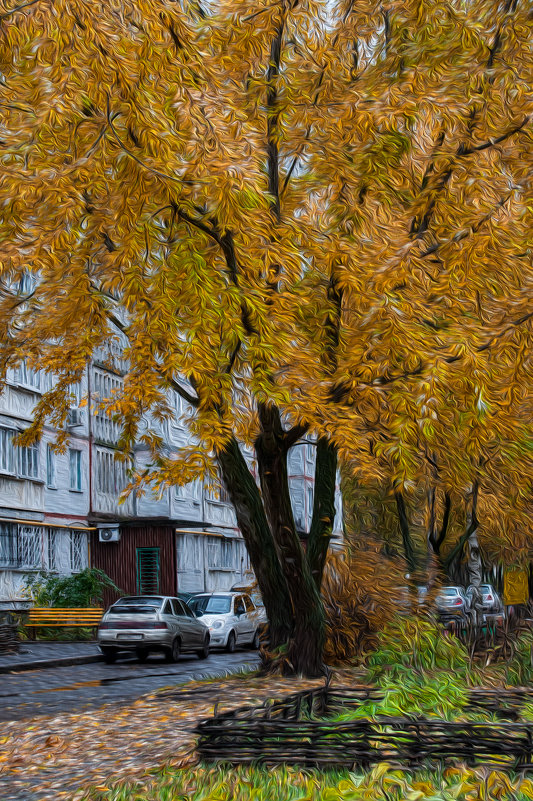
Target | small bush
(520,668)
(359,591)
(422,672)
(79,590)
(415,645)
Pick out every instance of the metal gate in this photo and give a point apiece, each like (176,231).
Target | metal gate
(148,572)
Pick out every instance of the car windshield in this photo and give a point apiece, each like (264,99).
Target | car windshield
(133,609)
(211,604)
(448,592)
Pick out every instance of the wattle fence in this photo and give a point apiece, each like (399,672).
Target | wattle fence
(296,731)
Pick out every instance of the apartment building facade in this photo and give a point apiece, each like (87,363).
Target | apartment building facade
(60,512)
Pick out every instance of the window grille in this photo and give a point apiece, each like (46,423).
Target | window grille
(29,461)
(148,571)
(78,550)
(8,545)
(52,542)
(30,546)
(39,547)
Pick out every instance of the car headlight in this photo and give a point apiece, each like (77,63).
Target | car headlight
(218,624)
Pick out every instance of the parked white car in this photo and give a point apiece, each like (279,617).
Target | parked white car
(232,618)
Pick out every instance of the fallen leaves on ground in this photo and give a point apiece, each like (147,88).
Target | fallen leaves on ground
(56,757)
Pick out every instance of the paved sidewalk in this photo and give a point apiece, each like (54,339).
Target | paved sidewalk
(36,655)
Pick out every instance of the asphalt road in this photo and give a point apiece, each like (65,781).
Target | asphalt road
(53,691)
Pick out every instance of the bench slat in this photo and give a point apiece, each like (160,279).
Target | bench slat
(86,617)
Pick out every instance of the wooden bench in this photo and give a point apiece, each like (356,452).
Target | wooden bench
(51,617)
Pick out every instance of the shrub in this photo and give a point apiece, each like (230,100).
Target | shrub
(520,667)
(421,670)
(360,591)
(81,589)
(409,645)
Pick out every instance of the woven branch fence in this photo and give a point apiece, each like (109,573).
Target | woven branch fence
(293,731)
(8,637)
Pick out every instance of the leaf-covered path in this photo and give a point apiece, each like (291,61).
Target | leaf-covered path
(56,757)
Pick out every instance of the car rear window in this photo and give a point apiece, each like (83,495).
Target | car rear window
(153,600)
(132,609)
(449,591)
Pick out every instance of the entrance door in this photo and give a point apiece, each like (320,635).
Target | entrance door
(148,571)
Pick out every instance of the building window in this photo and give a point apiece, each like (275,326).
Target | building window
(27,376)
(8,545)
(148,571)
(75,394)
(50,467)
(219,491)
(75,470)
(40,548)
(106,386)
(111,477)
(29,546)
(7,451)
(78,550)
(29,461)
(191,492)
(52,538)
(220,553)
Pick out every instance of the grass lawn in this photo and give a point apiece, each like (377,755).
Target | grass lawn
(383,783)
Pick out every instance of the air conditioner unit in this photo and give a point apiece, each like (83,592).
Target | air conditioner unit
(109,534)
(75,418)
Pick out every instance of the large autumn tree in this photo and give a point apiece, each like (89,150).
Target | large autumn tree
(304,216)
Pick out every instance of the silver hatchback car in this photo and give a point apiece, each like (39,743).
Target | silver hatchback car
(145,623)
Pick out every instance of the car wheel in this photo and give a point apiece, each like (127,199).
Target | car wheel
(110,655)
(255,641)
(231,643)
(142,654)
(203,653)
(173,654)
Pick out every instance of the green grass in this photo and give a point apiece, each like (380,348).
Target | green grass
(383,783)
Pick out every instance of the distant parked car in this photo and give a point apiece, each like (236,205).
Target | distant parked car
(492,603)
(232,618)
(146,623)
(452,605)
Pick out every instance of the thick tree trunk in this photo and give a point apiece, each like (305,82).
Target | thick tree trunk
(248,505)
(307,643)
(323,508)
